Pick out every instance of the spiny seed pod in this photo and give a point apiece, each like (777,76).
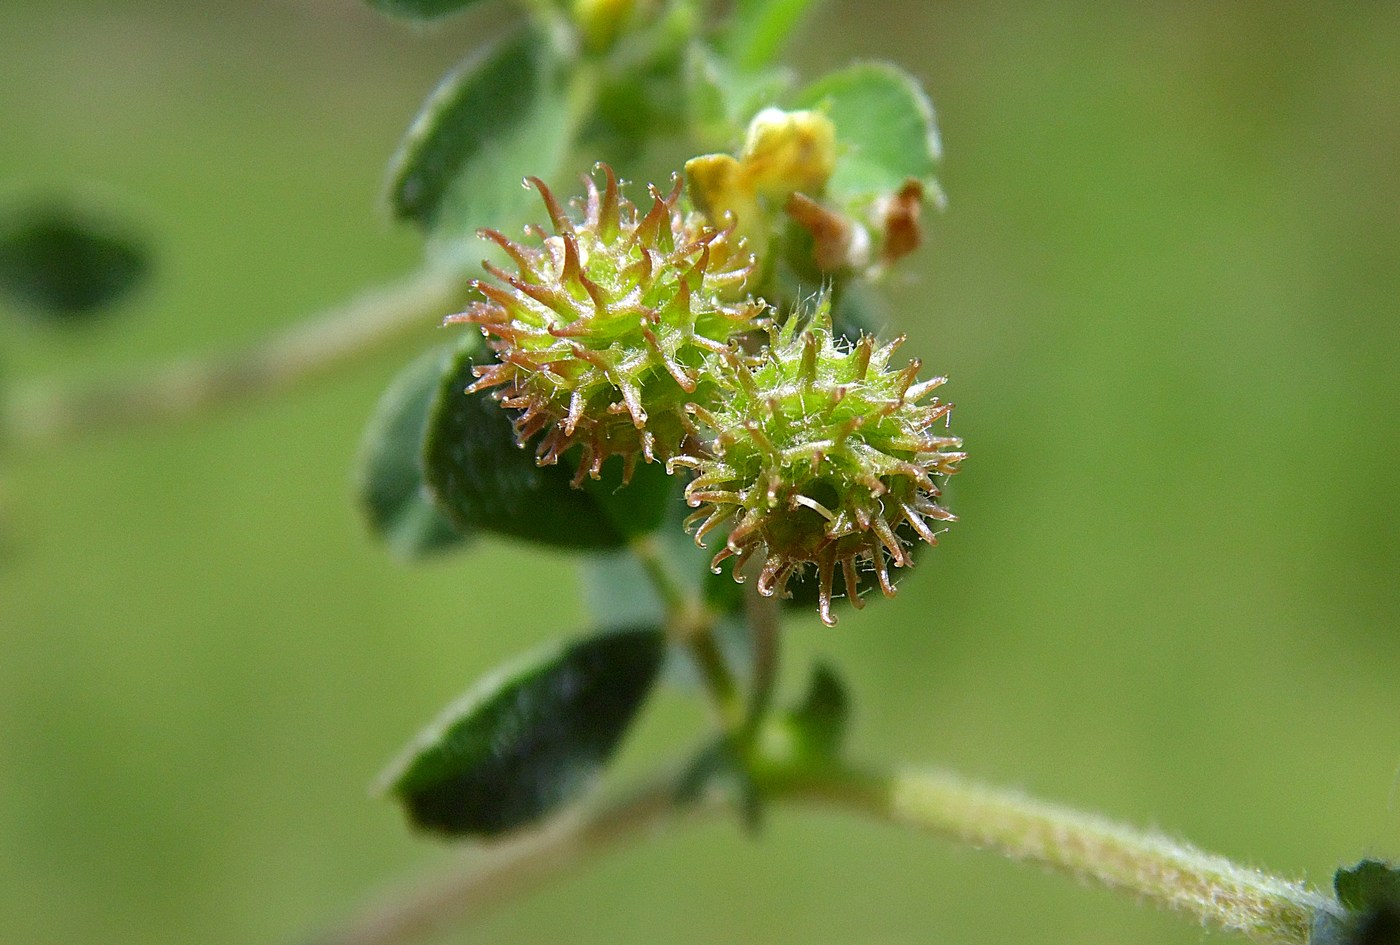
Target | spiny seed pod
(820,454)
(611,325)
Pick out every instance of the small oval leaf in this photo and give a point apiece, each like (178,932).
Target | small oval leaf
(529,738)
(421,9)
(498,117)
(64,266)
(480,478)
(392,491)
(885,130)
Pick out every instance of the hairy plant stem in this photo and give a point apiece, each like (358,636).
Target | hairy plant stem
(1265,908)
(49,415)
(1147,864)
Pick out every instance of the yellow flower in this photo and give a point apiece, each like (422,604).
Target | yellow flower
(784,153)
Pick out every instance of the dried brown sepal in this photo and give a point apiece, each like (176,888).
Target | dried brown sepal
(838,242)
(899,218)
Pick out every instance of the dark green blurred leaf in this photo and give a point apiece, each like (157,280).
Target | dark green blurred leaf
(529,738)
(885,129)
(1370,891)
(481,479)
(1377,925)
(818,724)
(1368,883)
(640,506)
(393,495)
(497,118)
(421,9)
(859,310)
(758,29)
(56,263)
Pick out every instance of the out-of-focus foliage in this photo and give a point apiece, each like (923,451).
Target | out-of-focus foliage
(497,117)
(393,491)
(1164,291)
(64,266)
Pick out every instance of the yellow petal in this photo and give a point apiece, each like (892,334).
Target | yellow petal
(788,151)
(719,186)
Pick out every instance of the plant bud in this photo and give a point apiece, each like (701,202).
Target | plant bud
(783,152)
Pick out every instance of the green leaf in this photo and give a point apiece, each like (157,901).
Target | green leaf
(480,479)
(720,100)
(57,263)
(639,507)
(421,9)
(529,738)
(1370,892)
(1368,883)
(819,723)
(1378,926)
(393,495)
(500,116)
(885,129)
(758,29)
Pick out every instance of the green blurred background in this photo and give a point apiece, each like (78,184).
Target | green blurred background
(1165,290)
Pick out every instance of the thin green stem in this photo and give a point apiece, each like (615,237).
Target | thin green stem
(1145,864)
(719,681)
(49,415)
(690,623)
(763,616)
(682,607)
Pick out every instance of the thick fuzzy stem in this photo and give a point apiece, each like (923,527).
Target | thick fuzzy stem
(1147,864)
